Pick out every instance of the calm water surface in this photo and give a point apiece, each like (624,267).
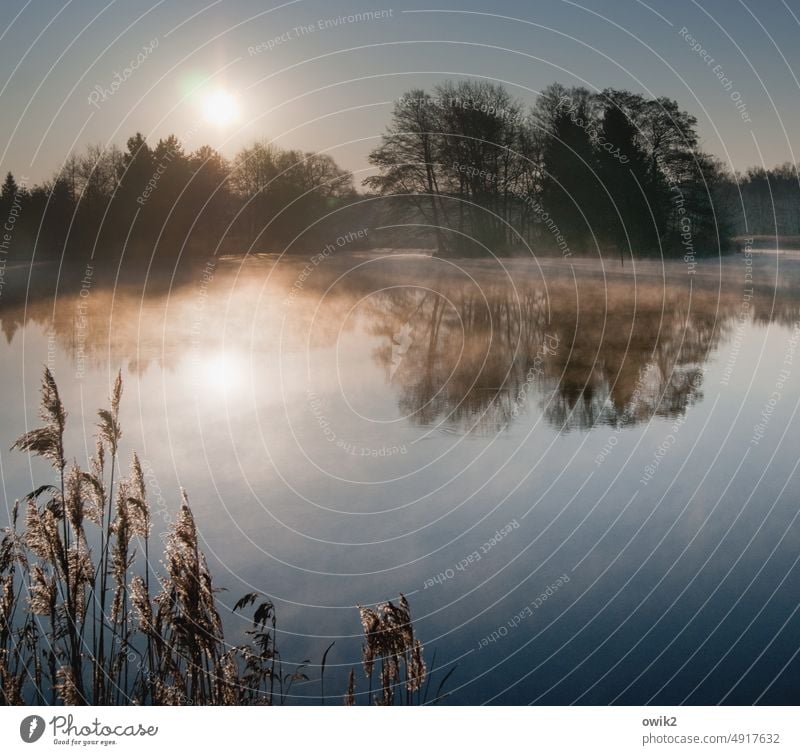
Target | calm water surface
(584,479)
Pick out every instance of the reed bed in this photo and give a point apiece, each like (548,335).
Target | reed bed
(83,622)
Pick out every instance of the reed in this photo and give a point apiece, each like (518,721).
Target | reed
(390,645)
(82,623)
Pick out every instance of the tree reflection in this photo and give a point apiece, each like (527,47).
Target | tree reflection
(465,349)
(481,352)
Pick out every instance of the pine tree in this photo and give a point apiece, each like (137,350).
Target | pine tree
(9,190)
(623,171)
(571,191)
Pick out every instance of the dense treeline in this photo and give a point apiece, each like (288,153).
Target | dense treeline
(466,169)
(771,201)
(160,201)
(577,173)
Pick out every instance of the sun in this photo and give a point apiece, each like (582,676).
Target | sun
(220,108)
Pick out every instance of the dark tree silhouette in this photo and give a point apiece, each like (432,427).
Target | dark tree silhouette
(581,172)
(571,183)
(466,165)
(623,173)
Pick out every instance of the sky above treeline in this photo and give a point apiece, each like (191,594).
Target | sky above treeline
(322,75)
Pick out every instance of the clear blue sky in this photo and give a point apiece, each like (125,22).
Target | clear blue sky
(335,85)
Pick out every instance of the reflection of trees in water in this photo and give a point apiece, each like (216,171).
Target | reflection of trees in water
(618,361)
(86,330)
(634,359)
(162,325)
(469,352)
(468,349)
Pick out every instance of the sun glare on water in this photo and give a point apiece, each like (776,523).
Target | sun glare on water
(220,108)
(223,372)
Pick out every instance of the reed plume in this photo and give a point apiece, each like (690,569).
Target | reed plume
(389,641)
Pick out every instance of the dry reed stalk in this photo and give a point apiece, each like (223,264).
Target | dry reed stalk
(166,648)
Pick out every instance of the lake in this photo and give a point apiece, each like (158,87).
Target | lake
(583,477)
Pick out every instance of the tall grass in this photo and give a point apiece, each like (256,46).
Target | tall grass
(390,645)
(81,622)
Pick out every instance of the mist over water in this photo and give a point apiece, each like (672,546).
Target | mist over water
(578,470)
